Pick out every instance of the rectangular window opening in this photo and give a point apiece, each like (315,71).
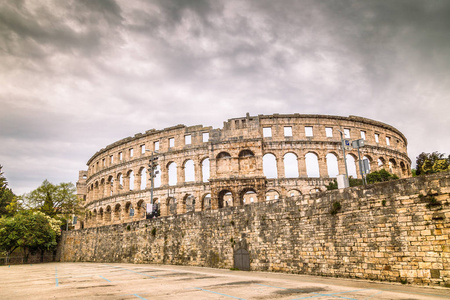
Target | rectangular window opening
(205,137)
(377,138)
(142,149)
(120,156)
(111,159)
(308,131)
(187,139)
(363,135)
(346,133)
(131,152)
(329,131)
(156,146)
(171,142)
(287,131)
(388,141)
(267,132)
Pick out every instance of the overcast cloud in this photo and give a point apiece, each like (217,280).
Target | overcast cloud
(76,76)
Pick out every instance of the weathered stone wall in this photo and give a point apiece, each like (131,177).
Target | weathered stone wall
(395,231)
(261,157)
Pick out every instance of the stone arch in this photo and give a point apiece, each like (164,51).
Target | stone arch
(157,178)
(189,202)
(392,164)
(206,202)
(140,209)
(117,212)
(381,162)
(205,169)
(246,153)
(171,204)
(332,165)
(270,169)
(247,161)
(143,178)
(272,195)
(107,216)
(223,163)
(290,161)
(369,158)
(351,165)
(226,198)
(294,193)
(403,169)
(127,208)
(223,155)
(312,164)
(247,196)
(189,170)
(130,180)
(96,187)
(172,173)
(120,181)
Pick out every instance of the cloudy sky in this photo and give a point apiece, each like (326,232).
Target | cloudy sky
(76,76)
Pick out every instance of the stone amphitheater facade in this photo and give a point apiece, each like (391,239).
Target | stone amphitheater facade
(251,159)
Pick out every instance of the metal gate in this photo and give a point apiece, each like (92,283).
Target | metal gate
(242,260)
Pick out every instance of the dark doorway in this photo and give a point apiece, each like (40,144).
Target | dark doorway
(242,260)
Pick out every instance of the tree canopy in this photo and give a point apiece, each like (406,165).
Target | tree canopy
(58,201)
(29,230)
(429,163)
(8,200)
(380,176)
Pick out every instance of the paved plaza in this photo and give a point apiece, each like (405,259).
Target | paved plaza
(143,281)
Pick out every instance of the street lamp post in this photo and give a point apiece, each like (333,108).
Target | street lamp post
(345,158)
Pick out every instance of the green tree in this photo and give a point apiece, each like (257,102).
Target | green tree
(429,163)
(380,176)
(31,231)
(8,201)
(59,201)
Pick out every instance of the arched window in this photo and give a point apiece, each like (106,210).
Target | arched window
(249,197)
(312,165)
(246,153)
(272,195)
(369,159)
(351,166)
(206,204)
(290,165)
(143,179)
(223,155)
(381,162)
(131,178)
(172,170)
(157,178)
(205,170)
(189,171)
(270,166)
(294,193)
(120,178)
(332,165)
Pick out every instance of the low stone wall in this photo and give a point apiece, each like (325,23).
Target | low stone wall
(393,231)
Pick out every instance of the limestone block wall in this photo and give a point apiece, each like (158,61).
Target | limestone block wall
(393,231)
(250,159)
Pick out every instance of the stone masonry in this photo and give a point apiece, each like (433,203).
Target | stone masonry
(251,159)
(393,231)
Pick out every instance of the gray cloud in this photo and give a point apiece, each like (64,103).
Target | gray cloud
(78,75)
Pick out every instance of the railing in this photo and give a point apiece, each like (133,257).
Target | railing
(31,259)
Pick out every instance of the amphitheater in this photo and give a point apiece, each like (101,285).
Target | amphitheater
(251,159)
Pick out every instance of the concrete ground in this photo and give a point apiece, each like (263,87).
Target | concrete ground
(130,281)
